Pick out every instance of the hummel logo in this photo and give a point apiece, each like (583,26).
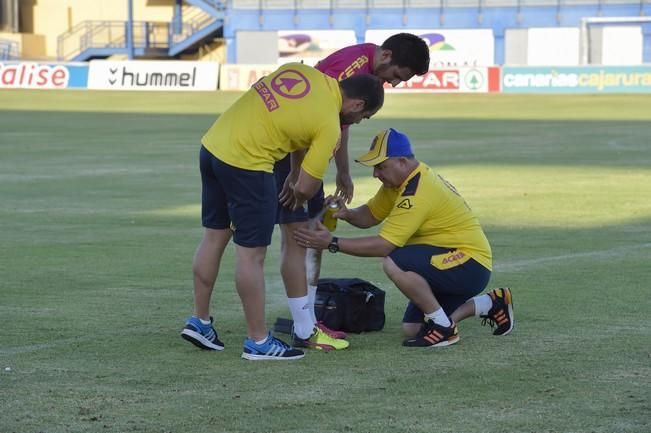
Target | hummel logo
(113,70)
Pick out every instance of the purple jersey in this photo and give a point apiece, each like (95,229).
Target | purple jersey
(356,59)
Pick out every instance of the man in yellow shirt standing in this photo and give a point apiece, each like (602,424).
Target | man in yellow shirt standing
(294,108)
(434,249)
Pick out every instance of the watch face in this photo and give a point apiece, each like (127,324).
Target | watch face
(334,246)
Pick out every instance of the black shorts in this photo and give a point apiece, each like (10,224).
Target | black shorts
(284,214)
(451,287)
(244,200)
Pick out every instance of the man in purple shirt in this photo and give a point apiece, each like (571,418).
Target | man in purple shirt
(399,58)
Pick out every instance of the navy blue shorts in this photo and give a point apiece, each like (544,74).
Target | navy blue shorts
(451,287)
(285,215)
(244,200)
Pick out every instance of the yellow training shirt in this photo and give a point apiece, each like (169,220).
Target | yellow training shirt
(295,107)
(426,209)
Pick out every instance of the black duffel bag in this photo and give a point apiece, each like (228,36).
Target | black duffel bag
(349,304)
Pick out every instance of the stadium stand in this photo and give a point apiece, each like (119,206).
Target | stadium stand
(193,23)
(196,23)
(363,15)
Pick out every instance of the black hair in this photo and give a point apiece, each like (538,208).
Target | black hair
(408,50)
(366,87)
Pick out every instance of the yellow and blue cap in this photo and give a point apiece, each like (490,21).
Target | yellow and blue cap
(388,143)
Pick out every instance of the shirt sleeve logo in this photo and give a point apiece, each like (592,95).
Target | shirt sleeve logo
(355,66)
(290,84)
(405,204)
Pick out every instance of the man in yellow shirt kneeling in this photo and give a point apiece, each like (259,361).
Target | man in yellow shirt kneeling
(433,247)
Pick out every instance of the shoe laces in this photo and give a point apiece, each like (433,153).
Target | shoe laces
(487,320)
(329,332)
(205,330)
(323,334)
(425,329)
(276,342)
(208,331)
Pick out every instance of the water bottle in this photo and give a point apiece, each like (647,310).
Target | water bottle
(328,220)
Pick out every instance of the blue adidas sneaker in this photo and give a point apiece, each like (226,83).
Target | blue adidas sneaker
(271,349)
(203,336)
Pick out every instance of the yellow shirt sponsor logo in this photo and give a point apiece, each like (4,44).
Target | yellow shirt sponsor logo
(291,84)
(266,95)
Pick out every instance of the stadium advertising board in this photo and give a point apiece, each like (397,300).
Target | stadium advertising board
(34,75)
(310,46)
(445,80)
(448,48)
(153,75)
(586,79)
(242,77)
(450,80)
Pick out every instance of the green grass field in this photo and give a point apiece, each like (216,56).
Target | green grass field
(99,219)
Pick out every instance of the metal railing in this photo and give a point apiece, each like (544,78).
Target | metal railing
(194,21)
(219,5)
(112,34)
(9,50)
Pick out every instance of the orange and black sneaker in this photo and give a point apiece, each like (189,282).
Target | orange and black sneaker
(434,335)
(501,313)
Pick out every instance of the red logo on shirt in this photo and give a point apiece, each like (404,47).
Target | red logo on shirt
(458,256)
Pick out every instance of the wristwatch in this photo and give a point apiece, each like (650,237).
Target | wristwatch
(333,246)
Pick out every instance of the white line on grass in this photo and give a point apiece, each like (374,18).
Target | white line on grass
(37,347)
(72,174)
(519,265)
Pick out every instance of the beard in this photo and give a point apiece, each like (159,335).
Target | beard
(381,68)
(346,119)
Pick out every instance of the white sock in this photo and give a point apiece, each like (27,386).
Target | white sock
(439,317)
(311,297)
(483,304)
(300,309)
(263,341)
(204,322)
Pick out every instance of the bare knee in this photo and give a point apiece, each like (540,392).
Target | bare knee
(250,256)
(390,268)
(209,253)
(287,240)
